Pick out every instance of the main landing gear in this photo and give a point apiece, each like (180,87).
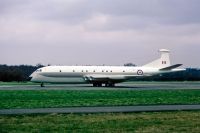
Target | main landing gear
(97,84)
(109,84)
(106,84)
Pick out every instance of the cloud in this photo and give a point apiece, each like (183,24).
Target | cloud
(97,32)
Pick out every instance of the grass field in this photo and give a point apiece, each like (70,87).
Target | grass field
(165,122)
(66,98)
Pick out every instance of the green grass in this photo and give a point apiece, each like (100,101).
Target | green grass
(66,98)
(157,122)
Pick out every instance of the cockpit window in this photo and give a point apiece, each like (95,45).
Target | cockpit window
(39,70)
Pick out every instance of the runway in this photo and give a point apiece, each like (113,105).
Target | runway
(121,86)
(112,109)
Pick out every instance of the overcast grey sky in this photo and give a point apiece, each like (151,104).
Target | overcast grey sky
(96,32)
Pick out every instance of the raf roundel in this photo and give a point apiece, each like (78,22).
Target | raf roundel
(140,72)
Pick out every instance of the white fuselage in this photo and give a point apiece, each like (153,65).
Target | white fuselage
(78,74)
(98,75)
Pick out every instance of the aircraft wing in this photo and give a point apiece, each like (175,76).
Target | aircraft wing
(97,77)
(116,78)
(170,67)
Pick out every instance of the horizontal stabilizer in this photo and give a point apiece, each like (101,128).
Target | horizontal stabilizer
(170,67)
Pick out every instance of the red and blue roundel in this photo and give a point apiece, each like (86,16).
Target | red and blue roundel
(140,72)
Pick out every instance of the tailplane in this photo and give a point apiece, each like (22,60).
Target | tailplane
(171,67)
(162,62)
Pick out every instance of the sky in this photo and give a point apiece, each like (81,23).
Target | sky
(96,32)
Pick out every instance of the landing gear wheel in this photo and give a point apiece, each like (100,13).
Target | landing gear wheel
(109,84)
(94,84)
(42,85)
(97,84)
(106,84)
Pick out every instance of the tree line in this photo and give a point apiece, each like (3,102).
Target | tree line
(17,73)
(22,72)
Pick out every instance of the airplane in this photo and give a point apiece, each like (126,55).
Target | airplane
(103,75)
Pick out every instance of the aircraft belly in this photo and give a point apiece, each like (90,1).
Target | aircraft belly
(60,79)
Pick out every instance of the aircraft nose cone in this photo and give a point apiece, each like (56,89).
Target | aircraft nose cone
(29,78)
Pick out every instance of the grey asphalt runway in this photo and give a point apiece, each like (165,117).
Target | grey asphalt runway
(114,109)
(121,86)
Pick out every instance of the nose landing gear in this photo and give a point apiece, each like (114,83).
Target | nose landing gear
(42,85)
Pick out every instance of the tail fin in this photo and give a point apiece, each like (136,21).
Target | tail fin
(162,62)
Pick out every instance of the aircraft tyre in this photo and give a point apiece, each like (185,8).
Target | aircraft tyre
(97,84)
(109,85)
(42,85)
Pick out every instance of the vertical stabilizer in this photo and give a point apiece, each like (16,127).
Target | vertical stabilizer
(162,62)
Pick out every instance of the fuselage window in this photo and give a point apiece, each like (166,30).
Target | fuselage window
(94,71)
(102,70)
(123,71)
(111,71)
(60,71)
(73,70)
(106,71)
(86,71)
(82,71)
